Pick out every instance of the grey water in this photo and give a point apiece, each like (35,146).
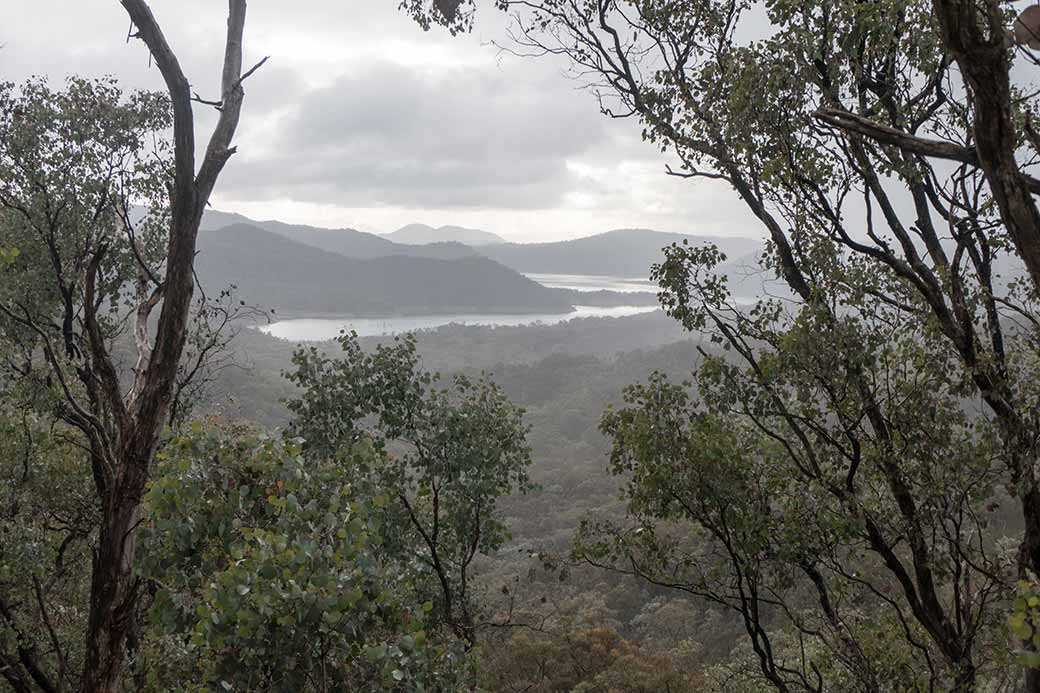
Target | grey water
(321,329)
(589,282)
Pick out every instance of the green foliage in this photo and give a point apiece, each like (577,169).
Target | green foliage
(267,569)
(447,454)
(454,15)
(776,467)
(46,512)
(1024,622)
(72,164)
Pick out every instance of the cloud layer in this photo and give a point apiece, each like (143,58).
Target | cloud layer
(360,118)
(438,138)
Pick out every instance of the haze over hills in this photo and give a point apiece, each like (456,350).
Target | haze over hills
(620,253)
(346,242)
(420,234)
(274,272)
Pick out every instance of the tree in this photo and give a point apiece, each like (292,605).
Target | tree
(276,581)
(70,165)
(590,660)
(904,227)
(447,456)
(774,490)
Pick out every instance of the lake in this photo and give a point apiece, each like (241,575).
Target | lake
(588,282)
(320,329)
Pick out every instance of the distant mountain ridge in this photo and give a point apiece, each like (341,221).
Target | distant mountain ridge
(619,253)
(420,234)
(346,242)
(273,271)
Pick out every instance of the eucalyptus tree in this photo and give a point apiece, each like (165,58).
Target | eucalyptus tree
(825,479)
(71,164)
(278,581)
(782,117)
(446,455)
(886,151)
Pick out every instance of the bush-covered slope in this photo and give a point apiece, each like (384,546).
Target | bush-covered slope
(347,242)
(275,272)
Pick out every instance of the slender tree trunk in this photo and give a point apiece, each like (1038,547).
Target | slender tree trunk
(1029,557)
(965,680)
(112,594)
(113,597)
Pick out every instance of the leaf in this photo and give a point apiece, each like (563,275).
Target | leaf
(1019,626)
(376,653)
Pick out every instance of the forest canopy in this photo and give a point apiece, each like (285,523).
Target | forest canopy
(839,485)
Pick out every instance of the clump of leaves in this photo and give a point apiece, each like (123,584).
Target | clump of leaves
(1024,621)
(445,456)
(263,573)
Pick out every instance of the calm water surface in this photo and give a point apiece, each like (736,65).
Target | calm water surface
(588,282)
(319,329)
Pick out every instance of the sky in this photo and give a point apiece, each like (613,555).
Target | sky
(360,119)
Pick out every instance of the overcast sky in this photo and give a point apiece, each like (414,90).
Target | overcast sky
(361,119)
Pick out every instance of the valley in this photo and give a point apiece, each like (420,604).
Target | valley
(520,346)
(308,272)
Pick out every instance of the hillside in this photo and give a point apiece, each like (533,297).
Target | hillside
(346,242)
(419,234)
(274,272)
(621,253)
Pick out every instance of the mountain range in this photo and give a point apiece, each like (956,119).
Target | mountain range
(346,242)
(273,271)
(301,269)
(421,234)
(620,253)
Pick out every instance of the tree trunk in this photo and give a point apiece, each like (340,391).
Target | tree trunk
(977,41)
(113,590)
(113,595)
(1029,558)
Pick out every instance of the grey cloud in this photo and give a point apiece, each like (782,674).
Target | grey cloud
(392,135)
(460,135)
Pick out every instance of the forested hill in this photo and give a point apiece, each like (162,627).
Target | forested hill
(275,272)
(346,242)
(621,253)
(418,234)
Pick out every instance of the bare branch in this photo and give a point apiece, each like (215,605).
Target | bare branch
(851,122)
